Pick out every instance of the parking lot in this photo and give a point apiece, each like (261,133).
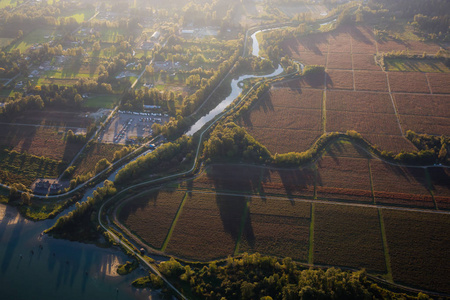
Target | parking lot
(129,126)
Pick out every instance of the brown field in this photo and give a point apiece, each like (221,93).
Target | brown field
(208,227)
(417,47)
(418,247)
(348,236)
(371,81)
(284,140)
(371,123)
(393,143)
(312,58)
(339,61)
(315,81)
(283,117)
(439,83)
(295,118)
(363,40)
(359,102)
(339,41)
(343,179)
(338,79)
(440,178)
(388,46)
(400,185)
(223,178)
(316,43)
(151,216)
(425,124)
(39,141)
(293,97)
(423,105)
(410,82)
(365,62)
(277,227)
(95,153)
(298,182)
(53,118)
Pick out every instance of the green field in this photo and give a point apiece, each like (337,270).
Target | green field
(4,3)
(416,65)
(110,35)
(34,37)
(79,16)
(104,101)
(5,42)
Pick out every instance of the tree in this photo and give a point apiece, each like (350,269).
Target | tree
(26,198)
(102,165)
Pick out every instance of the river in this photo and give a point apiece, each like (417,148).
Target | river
(41,267)
(236,89)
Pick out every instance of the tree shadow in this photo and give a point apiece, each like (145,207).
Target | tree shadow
(265,104)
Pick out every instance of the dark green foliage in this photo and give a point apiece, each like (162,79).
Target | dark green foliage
(256,277)
(127,267)
(233,142)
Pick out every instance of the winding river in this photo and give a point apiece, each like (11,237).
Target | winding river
(41,267)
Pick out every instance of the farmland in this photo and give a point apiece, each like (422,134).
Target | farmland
(297,113)
(349,237)
(400,185)
(367,102)
(371,81)
(277,227)
(370,123)
(408,82)
(101,101)
(343,179)
(208,226)
(339,79)
(439,83)
(298,182)
(151,216)
(416,65)
(418,247)
(95,153)
(440,178)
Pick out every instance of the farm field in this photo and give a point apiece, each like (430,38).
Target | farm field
(295,112)
(416,65)
(418,248)
(439,83)
(440,177)
(408,82)
(277,227)
(339,79)
(39,141)
(95,153)
(368,102)
(34,37)
(364,123)
(151,216)
(365,62)
(79,15)
(348,237)
(24,168)
(339,61)
(101,101)
(208,227)
(371,81)
(299,182)
(423,105)
(400,185)
(223,178)
(346,179)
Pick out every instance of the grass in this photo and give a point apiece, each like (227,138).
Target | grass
(81,15)
(311,236)
(387,258)
(416,65)
(5,41)
(34,37)
(101,101)
(174,223)
(4,3)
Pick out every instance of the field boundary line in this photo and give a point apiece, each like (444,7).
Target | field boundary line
(428,178)
(387,257)
(331,202)
(371,181)
(174,222)
(324,111)
(311,236)
(393,104)
(353,68)
(428,83)
(242,226)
